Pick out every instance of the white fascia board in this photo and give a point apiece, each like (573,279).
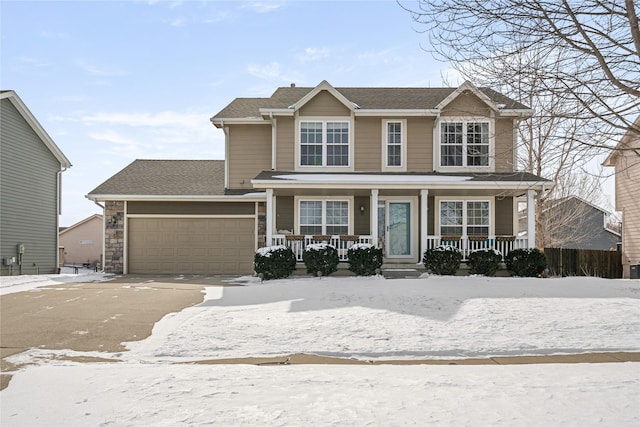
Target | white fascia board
(276,111)
(398,113)
(403,185)
(239,121)
(513,112)
(249,197)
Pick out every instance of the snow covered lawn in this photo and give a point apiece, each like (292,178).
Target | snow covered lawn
(364,318)
(429,318)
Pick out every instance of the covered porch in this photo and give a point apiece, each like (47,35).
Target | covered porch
(404,214)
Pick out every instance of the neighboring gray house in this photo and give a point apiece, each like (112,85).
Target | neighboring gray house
(30,172)
(574,223)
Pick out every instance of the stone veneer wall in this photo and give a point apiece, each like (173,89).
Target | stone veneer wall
(114,237)
(262,225)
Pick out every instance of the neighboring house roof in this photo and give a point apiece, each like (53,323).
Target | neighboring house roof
(35,125)
(165,178)
(370,98)
(79,223)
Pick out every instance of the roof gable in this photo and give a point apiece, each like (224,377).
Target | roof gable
(324,85)
(630,140)
(35,125)
(84,221)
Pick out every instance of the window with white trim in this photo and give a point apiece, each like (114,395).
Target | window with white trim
(464,143)
(394,144)
(324,217)
(324,143)
(464,217)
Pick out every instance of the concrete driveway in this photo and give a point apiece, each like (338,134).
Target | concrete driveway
(92,316)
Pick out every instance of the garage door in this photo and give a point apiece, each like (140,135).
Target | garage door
(191,245)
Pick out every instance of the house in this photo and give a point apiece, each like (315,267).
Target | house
(574,223)
(31,165)
(404,168)
(625,158)
(82,242)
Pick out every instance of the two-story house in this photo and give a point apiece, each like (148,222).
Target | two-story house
(406,169)
(625,158)
(31,167)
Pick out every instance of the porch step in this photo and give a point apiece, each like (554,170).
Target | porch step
(401,272)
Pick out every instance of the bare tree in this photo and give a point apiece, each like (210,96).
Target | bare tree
(591,49)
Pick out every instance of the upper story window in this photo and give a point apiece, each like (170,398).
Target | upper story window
(464,143)
(394,149)
(324,143)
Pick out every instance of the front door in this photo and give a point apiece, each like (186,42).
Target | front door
(395,228)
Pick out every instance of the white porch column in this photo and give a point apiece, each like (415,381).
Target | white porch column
(269,217)
(374,217)
(531,219)
(424,206)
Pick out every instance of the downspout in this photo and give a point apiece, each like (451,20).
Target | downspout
(226,154)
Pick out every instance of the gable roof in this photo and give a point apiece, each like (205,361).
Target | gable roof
(364,98)
(625,143)
(36,126)
(164,178)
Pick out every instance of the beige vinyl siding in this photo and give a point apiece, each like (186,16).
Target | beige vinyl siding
(627,200)
(467,104)
(191,208)
(324,104)
(83,243)
(504,145)
(285,140)
(420,144)
(504,216)
(249,153)
(28,200)
(368,144)
(361,220)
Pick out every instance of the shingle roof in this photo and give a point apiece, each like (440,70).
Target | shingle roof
(365,98)
(166,178)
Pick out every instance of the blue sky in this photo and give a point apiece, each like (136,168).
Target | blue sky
(115,81)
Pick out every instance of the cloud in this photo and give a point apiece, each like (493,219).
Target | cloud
(33,62)
(263,6)
(112,137)
(162,119)
(97,71)
(272,72)
(178,22)
(314,54)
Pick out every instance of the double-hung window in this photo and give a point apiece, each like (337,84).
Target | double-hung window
(464,143)
(324,217)
(394,144)
(324,143)
(470,218)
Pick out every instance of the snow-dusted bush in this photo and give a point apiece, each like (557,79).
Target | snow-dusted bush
(526,262)
(485,261)
(320,258)
(364,259)
(442,260)
(274,262)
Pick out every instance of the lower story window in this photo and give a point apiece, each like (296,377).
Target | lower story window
(469,218)
(324,217)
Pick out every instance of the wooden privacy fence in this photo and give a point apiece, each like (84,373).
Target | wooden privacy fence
(583,262)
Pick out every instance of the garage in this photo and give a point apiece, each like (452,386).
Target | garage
(191,245)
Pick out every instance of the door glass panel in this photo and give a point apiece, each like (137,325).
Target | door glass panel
(399,237)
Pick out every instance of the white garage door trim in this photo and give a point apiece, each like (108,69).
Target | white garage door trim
(176,253)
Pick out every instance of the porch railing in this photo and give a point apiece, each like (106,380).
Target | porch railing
(298,243)
(466,245)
